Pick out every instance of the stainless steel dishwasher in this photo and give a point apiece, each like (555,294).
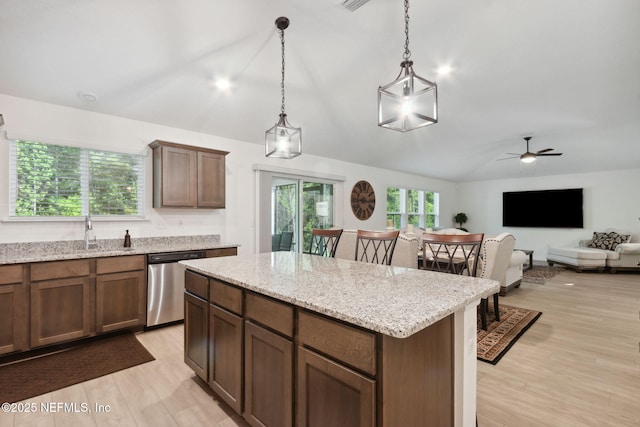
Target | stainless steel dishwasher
(165,286)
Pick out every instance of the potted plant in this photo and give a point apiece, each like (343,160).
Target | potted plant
(461,218)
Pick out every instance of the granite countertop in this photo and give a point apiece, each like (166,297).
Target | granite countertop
(394,301)
(25,252)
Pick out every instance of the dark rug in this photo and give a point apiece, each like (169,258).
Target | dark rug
(33,377)
(539,273)
(500,336)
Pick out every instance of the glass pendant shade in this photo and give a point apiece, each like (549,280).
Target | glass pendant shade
(409,102)
(283,141)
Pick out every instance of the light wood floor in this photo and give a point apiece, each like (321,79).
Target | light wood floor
(578,365)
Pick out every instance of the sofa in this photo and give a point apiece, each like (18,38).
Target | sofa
(611,250)
(404,254)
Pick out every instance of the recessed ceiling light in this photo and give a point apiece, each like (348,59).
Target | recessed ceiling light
(222,84)
(444,70)
(87,97)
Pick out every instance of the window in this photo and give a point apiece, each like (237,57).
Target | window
(417,207)
(59,181)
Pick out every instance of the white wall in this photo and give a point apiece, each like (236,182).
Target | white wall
(610,200)
(236,223)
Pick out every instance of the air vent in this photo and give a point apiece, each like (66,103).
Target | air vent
(352,5)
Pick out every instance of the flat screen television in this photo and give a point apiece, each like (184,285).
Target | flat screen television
(543,208)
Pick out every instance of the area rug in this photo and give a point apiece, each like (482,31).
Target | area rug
(539,273)
(501,336)
(28,378)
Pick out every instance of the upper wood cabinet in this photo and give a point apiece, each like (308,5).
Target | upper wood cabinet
(185,176)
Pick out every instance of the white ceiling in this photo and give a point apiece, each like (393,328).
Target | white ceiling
(566,72)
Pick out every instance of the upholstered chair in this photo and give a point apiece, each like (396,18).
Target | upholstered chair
(496,257)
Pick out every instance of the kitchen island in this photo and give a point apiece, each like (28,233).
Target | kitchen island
(289,338)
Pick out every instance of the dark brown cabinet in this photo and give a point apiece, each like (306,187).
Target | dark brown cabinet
(13,309)
(298,367)
(185,176)
(225,356)
(120,293)
(268,367)
(330,390)
(330,394)
(60,301)
(196,335)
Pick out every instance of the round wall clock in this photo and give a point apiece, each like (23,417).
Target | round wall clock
(363,200)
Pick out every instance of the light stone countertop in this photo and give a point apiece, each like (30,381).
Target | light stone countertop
(26,252)
(394,301)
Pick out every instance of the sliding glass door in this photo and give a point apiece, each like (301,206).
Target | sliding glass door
(299,206)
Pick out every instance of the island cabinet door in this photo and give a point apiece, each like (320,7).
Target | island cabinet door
(196,334)
(330,394)
(225,356)
(268,373)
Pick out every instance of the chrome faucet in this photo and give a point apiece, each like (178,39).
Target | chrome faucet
(89,235)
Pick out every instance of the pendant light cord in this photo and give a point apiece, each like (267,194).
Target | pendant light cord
(407,53)
(282,82)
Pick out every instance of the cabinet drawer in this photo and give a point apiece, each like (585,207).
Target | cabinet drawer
(10,274)
(225,296)
(213,253)
(60,269)
(273,314)
(118,264)
(347,344)
(196,284)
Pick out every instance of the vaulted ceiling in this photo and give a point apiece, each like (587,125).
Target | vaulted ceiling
(565,72)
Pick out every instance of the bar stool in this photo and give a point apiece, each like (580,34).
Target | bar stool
(376,247)
(324,242)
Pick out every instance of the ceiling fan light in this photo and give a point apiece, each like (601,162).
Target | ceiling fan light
(528,158)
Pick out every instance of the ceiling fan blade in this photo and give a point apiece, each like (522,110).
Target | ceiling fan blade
(544,151)
(550,154)
(509,158)
(514,154)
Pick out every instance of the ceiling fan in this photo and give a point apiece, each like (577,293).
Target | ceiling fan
(528,156)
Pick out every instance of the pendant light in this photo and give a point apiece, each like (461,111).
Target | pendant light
(283,141)
(409,102)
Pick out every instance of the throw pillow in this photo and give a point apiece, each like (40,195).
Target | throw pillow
(600,241)
(616,239)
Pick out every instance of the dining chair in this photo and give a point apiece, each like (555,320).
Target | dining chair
(376,247)
(451,253)
(457,254)
(324,242)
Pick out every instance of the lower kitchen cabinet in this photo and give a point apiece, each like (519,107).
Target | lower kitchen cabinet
(225,356)
(330,394)
(196,334)
(120,301)
(13,309)
(268,373)
(121,289)
(60,310)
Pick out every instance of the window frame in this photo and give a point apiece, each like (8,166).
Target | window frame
(84,179)
(422,212)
